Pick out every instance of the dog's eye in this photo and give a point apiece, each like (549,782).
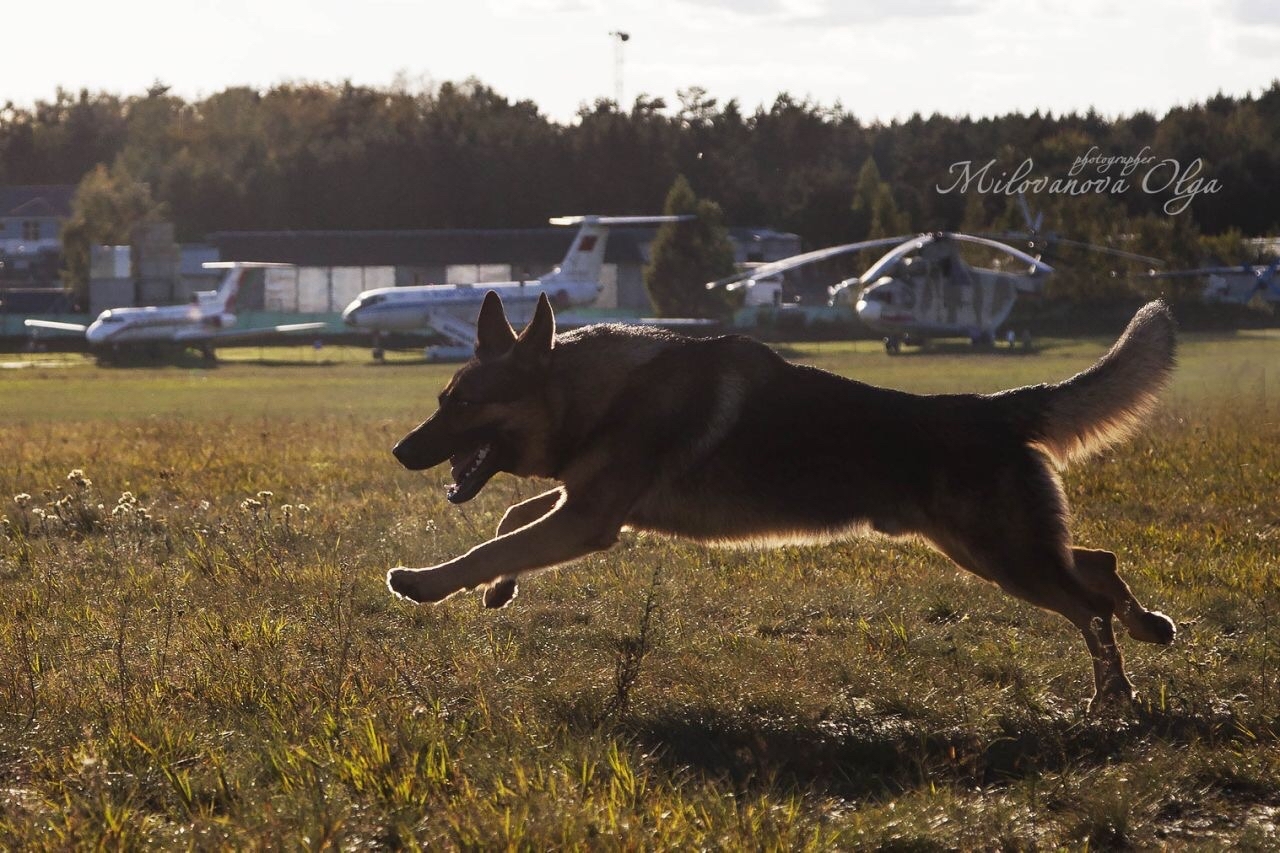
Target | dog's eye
(453,400)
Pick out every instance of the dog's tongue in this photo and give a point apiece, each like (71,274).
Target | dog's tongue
(470,472)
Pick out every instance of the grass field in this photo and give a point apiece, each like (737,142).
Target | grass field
(197,649)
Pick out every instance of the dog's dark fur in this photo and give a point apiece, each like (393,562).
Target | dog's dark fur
(722,441)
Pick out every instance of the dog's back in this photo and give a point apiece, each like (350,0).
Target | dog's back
(751,447)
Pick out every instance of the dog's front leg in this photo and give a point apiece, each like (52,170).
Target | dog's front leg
(503,590)
(572,530)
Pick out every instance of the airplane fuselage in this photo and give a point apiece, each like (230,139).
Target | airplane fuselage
(408,309)
(170,323)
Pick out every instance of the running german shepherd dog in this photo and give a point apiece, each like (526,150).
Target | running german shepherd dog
(722,441)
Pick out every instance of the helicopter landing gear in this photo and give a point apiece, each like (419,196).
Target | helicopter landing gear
(892,345)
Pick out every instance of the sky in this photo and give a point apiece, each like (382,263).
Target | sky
(880,60)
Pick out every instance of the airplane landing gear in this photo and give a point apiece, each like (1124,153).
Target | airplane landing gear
(379,354)
(893,345)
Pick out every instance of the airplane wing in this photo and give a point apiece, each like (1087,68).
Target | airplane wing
(53,324)
(195,335)
(621,220)
(733,282)
(569,320)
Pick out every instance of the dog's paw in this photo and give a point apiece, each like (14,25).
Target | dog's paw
(1153,627)
(500,593)
(424,586)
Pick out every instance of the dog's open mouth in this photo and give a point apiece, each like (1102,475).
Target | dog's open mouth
(471,471)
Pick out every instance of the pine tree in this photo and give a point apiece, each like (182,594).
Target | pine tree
(873,201)
(686,255)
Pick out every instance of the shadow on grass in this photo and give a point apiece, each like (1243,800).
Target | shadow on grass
(885,755)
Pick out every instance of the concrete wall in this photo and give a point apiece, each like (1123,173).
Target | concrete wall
(107,293)
(319,290)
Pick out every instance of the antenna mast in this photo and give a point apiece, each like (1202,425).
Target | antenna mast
(620,38)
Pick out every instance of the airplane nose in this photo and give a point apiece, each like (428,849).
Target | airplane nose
(349,317)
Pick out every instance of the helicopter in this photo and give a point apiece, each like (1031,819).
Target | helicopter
(922,288)
(1245,284)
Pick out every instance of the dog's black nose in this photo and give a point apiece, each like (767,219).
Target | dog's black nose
(402,454)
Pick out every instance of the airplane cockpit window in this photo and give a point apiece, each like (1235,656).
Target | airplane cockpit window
(373,300)
(111,318)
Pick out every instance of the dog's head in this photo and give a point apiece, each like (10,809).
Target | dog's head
(492,414)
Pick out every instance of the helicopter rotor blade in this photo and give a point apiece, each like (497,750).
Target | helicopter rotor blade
(1051,240)
(1033,223)
(1037,266)
(1107,250)
(890,259)
(743,279)
(1201,271)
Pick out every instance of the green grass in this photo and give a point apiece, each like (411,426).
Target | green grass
(201,665)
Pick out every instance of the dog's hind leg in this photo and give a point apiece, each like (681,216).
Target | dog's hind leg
(1097,570)
(1042,576)
(1026,551)
(503,590)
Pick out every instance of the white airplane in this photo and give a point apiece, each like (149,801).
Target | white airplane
(203,324)
(450,309)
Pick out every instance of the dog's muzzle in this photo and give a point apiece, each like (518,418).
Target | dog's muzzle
(429,444)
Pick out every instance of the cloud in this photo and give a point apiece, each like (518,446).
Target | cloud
(832,13)
(1254,13)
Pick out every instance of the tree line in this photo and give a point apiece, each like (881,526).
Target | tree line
(456,155)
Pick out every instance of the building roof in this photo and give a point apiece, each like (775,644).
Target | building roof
(515,246)
(37,201)
(420,248)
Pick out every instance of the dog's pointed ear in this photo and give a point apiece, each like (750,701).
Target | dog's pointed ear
(537,339)
(494,335)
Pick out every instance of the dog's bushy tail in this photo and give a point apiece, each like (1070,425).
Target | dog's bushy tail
(1106,403)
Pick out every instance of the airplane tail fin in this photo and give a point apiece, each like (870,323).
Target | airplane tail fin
(223,300)
(585,257)
(228,290)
